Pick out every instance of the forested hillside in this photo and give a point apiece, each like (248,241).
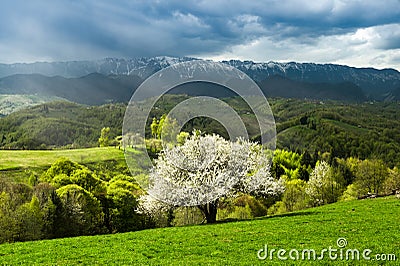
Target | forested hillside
(59,124)
(364,130)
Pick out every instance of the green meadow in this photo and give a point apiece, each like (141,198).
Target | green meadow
(18,165)
(365,224)
(12,159)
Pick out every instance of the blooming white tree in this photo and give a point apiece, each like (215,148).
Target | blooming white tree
(322,187)
(206,168)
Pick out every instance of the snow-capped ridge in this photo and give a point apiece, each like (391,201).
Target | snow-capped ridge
(372,81)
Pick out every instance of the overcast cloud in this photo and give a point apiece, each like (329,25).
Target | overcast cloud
(357,33)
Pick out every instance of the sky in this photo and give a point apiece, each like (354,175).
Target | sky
(363,33)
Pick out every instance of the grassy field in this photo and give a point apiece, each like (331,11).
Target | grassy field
(18,165)
(43,158)
(366,224)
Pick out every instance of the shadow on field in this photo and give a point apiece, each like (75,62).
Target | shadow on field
(291,214)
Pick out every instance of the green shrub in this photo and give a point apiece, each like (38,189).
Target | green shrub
(82,211)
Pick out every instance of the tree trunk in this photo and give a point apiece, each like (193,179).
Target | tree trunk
(210,211)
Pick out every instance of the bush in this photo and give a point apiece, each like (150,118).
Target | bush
(29,221)
(81,211)
(294,197)
(351,193)
(7,221)
(61,180)
(61,166)
(122,210)
(87,180)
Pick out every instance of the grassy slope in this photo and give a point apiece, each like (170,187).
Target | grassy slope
(18,165)
(372,224)
(37,158)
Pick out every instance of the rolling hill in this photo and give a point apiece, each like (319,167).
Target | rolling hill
(364,130)
(59,124)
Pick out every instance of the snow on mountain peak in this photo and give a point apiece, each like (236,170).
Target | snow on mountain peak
(368,78)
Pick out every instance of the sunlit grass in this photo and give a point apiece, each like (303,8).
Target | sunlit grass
(11,159)
(372,224)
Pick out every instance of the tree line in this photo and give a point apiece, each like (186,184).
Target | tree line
(69,200)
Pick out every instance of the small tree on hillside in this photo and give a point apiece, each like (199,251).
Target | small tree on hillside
(166,127)
(294,196)
(206,168)
(161,125)
(104,139)
(370,176)
(322,188)
(154,127)
(392,182)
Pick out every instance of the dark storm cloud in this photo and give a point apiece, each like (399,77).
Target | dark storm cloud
(65,30)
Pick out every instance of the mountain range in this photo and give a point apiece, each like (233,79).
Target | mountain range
(91,89)
(100,81)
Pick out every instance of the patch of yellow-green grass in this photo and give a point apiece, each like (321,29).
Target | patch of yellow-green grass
(20,159)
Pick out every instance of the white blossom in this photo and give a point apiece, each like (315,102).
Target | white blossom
(319,179)
(206,168)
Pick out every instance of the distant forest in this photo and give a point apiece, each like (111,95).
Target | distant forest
(363,130)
